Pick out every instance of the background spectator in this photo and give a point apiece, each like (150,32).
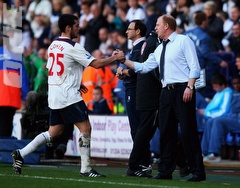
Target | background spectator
(106,42)
(220,103)
(57,6)
(180,12)
(91,30)
(39,7)
(103,77)
(135,11)
(121,12)
(215,26)
(233,42)
(99,104)
(197,5)
(38,11)
(152,16)
(227,5)
(215,132)
(85,17)
(35,65)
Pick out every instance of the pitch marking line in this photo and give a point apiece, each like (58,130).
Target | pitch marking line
(89,181)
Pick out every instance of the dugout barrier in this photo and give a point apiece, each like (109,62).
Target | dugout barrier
(111,138)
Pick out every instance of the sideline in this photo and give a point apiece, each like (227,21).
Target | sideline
(89,181)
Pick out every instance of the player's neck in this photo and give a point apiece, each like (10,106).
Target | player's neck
(65,35)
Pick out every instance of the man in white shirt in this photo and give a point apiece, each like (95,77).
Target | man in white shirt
(177,100)
(66,60)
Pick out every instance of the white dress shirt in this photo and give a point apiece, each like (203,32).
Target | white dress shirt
(181,62)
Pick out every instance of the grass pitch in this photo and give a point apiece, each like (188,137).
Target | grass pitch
(67,176)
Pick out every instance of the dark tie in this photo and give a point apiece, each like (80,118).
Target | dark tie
(162,59)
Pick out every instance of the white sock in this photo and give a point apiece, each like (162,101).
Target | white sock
(84,146)
(39,140)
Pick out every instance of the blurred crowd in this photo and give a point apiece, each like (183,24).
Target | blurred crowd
(31,25)
(103,25)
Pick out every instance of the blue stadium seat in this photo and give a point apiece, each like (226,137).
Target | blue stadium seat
(236,137)
(230,139)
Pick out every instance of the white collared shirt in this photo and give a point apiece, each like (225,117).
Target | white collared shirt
(138,40)
(181,62)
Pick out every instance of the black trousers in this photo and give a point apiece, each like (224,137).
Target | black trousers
(132,112)
(173,111)
(140,153)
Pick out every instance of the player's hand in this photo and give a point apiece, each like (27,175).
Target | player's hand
(120,56)
(115,52)
(83,89)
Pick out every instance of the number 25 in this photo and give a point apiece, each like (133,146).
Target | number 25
(58,61)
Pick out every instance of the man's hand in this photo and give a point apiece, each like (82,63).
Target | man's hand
(224,64)
(187,95)
(27,52)
(119,73)
(119,55)
(201,111)
(83,89)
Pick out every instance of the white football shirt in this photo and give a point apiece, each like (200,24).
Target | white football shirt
(66,60)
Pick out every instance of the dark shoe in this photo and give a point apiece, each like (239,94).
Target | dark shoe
(185,171)
(138,173)
(163,177)
(17,161)
(147,169)
(92,174)
(60,151)
(197,178)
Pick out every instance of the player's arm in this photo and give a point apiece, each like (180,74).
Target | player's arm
(98,63)
(129,64)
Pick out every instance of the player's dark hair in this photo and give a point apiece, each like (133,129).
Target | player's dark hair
(66,20)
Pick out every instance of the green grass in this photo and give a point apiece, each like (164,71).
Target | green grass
(59,176)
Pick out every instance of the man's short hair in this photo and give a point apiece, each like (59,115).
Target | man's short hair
(199,17)
(66,20)
(141,26)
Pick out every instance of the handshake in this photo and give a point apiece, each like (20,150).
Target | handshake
(119,55)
